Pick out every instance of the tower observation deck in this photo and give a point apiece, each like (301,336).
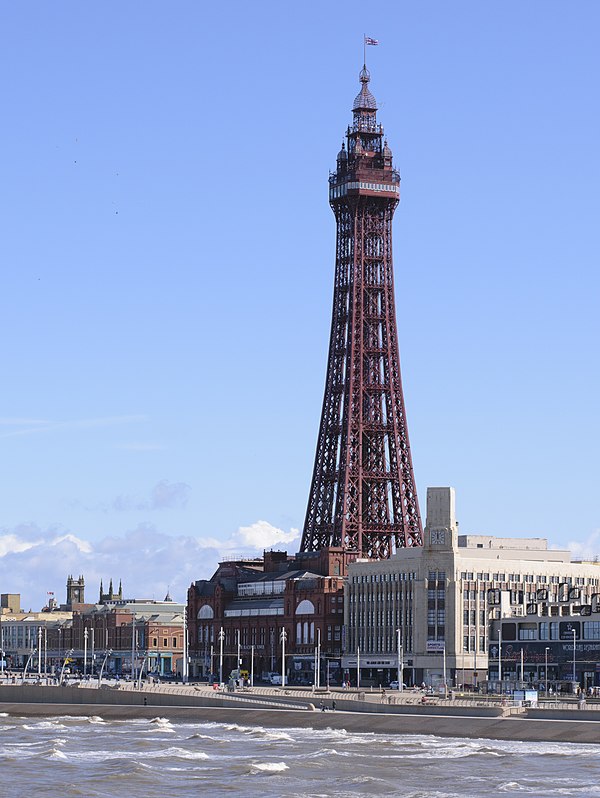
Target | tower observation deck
(363,497)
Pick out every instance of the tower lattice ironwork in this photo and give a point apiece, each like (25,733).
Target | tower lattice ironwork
(363,496)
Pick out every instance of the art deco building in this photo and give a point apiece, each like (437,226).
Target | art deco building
(436,602)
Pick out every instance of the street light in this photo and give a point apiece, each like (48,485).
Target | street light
(546,668)
(239,659)
(221,638)
(283,638)
(185,669)
(574,648)
(85,642)
(318,673)
(500,656)
(445,681)
(400,659)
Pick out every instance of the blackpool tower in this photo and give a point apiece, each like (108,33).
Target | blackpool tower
(363,497)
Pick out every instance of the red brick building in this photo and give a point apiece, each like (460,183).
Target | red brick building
(254,600)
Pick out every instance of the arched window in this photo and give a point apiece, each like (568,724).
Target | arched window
(305,607)
(206,612)
(298,633)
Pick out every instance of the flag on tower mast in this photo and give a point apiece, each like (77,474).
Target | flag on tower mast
(367,40)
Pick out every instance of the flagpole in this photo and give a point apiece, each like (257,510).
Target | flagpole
(364,50)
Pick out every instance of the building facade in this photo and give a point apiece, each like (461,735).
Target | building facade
(554,646)
(431,607)
(238,617)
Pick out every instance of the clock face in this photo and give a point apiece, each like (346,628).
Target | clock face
(438,537)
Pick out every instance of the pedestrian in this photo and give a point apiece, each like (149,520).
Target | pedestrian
(333,706)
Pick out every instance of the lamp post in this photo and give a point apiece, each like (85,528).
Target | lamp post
(39,651)
(400,659)
(318,673)
(546,668)
(185,664)
(574,649)
(251,666)
(500,657)
(1,648)
(221,638)
(283,638)
(132,646)
(358,667)
(239,661)
(93,651)
(445,681)
(85,642)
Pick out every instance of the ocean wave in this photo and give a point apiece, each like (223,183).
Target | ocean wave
(269,767)
(44,724)
(55,753)
(173,752)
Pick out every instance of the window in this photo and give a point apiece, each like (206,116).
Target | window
(155,642)
(527,631)
(165,642)
(174,642)
(306,607)
(591,630)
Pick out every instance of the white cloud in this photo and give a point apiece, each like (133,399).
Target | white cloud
(262,535)
(586,549)
(34,561)
(11,543)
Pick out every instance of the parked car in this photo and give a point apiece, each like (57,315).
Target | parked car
(276,678)
(395,685)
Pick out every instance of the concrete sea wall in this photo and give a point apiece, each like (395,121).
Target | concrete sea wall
(473,722)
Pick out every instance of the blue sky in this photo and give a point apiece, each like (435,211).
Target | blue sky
(167,265)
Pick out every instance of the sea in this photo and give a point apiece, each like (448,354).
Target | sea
(153,758)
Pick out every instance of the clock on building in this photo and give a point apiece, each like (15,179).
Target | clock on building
(438,536)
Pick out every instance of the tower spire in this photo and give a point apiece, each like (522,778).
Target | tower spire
(363,496)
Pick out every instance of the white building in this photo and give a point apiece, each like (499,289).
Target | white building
(431,605)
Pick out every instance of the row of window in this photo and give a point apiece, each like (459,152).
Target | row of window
(530,578)
(341,191)
(364,579)
(550,630)
(165,642)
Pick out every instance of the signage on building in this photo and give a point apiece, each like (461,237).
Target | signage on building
(435,646)
(566,629)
